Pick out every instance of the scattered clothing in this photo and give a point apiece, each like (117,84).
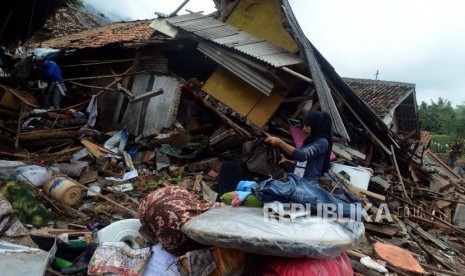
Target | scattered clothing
(243,190)
(299,190)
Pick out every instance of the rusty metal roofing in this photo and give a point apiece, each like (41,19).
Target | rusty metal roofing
(228,36)
(380,96)
(114,33)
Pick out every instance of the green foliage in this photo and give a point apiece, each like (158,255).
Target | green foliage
(441,143)
(78,4)
(437,117)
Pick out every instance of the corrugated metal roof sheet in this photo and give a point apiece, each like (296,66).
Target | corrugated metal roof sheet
(430,160)
(238,68)
(220,33)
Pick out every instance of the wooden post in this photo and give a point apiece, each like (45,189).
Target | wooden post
(394,160)
(18,127)
(122,103)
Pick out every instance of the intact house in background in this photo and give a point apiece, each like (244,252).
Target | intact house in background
(394,102)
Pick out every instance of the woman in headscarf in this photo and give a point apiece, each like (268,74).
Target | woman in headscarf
(313,156)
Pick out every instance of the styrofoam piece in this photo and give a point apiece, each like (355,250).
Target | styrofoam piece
(359,176)
(123,231)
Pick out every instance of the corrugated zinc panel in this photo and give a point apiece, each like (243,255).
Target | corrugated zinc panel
(237,68)
(231,37)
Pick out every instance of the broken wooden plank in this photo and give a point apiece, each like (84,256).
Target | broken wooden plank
(96,150)
(222,136)
(356,190)
(383,183)
(107,76)
(146,96)
(50,134)
(426,235)
(388,231)
(355,153)
(91,86)
(128,161)
(339,150)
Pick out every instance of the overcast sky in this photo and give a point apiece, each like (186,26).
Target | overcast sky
(413,41)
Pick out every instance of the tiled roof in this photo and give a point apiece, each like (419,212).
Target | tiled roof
(114,33)
(380,96)
(64,21)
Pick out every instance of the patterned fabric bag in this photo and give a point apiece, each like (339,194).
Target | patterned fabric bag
(164,212)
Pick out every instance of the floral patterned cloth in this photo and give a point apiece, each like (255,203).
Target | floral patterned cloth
(164,212)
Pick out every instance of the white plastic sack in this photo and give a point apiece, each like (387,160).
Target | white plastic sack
(33,174)
(247,229)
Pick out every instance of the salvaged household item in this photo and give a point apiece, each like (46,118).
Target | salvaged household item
(126,231)
(164,212)
(119,258)
(249,229)
(359,176)
(262,159)
(63,189)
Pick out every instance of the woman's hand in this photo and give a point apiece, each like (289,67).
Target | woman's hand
(284,161)
(277,142)
(273,141)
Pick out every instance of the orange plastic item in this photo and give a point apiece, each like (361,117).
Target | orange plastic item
(397,257)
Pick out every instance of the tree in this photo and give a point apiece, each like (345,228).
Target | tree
(458,126)
(437,117)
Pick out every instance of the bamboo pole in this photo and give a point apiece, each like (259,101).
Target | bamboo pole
(132,212)
(108,76)
(90,86)
(99,93)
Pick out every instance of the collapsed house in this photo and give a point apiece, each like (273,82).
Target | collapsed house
(189,90)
